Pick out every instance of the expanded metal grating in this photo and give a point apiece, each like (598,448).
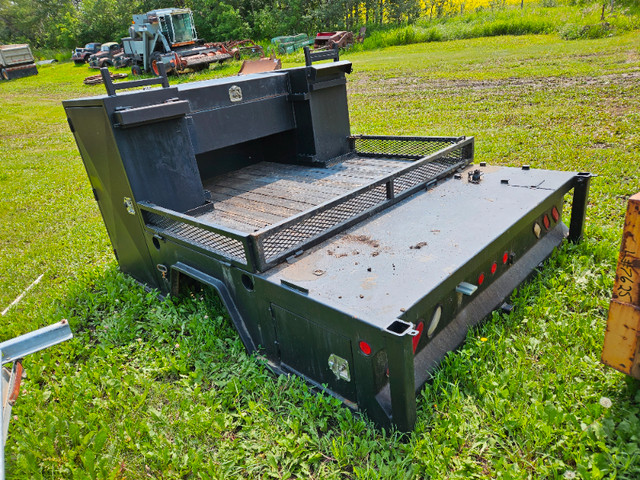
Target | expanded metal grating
(404,147)
(424,173)
(281,241)
(214,242)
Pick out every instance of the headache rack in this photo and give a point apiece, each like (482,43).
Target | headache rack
(354,261)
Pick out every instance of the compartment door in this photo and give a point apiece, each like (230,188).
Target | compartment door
(319,354)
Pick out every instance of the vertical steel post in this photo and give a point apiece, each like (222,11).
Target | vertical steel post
(579,206)
(106,79)
(402,382)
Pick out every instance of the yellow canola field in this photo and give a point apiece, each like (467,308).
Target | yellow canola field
(455,6)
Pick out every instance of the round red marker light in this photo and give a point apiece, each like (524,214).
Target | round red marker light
(555,214)
(546,221)
(494,267)
(505,257)
(365,348)
(481,279)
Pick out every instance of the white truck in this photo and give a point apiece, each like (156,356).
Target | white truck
(16,61)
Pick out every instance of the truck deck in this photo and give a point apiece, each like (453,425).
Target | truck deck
(386,269)
(354,261)
(262,195)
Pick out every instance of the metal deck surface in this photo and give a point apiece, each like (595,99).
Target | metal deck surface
(266,193)
(392,260)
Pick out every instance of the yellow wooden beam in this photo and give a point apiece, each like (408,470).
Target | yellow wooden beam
(621,349)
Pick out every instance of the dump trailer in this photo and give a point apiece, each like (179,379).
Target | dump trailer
(169,36)
(16,61)
(354,261)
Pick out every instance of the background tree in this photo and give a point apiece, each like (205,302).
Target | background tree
(67,23)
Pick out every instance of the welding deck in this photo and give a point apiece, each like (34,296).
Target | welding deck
(356,262)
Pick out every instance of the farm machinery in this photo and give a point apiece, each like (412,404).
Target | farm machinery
(291,43)
(168,36)
(329,40)
(339,39)
(354,261)
(16,61)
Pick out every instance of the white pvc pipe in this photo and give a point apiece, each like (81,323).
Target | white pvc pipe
(19,297)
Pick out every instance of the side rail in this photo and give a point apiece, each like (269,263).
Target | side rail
(11,353)
(405,147)
(225,244)
(433,158)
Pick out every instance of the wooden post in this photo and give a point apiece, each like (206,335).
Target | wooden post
(621,349)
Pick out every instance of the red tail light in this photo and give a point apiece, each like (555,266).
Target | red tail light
(416,339)
(366,348)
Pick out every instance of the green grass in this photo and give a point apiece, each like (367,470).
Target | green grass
(570,22)
(163,389)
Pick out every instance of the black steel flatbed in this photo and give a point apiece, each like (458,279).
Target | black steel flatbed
(356,262)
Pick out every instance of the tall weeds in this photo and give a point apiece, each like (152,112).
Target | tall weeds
(570,22)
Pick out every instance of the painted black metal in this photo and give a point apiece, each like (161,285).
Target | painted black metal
(113,87)
(579,206)
(317,56)
(227,299)
(336,270)
(132,117)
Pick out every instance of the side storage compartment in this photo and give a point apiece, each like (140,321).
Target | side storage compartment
(321,356)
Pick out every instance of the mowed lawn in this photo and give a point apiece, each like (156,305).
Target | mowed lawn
(163,389)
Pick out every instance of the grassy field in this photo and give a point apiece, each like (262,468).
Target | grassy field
(163,389)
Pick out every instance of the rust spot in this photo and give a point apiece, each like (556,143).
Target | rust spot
(418,246)
(362,239)
(375,254)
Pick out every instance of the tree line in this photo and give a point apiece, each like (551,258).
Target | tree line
(66,23)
